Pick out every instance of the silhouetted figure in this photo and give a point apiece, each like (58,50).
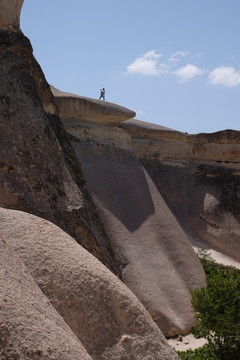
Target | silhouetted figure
(102,94)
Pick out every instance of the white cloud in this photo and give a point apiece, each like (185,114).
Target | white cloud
(147,64)
(150,64)
(188,72)
(224,75)
(178,55)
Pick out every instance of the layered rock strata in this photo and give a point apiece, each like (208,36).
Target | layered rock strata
(198,176)
(105,316)
(154,141)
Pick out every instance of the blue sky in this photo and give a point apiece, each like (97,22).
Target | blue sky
(175,62)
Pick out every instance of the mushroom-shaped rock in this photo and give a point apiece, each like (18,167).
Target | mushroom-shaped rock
(75,109)
(30,328)
(104,314)
(10,14)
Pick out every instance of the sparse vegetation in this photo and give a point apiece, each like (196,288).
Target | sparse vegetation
(217,309)
(202,353)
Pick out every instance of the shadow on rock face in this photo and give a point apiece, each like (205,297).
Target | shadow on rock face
(211,201)
(118,183)
(158,263)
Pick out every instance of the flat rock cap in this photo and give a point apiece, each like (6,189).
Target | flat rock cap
(79,109)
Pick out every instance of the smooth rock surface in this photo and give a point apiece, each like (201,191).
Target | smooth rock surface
(108,319)
(75,109)
(30,328)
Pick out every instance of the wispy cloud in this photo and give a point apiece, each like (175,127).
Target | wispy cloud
(178,55)
(188,72)
(147,64)
(224,75)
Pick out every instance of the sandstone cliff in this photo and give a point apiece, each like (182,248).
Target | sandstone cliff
(158,263)
(132,193)
(39,172)
(198,176)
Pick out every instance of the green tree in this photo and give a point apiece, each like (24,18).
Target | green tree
(217,309)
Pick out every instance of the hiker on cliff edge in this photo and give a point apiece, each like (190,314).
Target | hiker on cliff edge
(102,94)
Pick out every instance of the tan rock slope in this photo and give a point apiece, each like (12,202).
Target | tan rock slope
(158,263)
(105,316)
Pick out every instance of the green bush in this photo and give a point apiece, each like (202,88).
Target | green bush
(217,309)
(202,353)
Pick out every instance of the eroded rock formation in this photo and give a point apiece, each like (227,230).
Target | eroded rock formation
(39,172)
(198,176)
(158,263)
(130,192)
(30,328)
(105,316)
(41,175)
(75,109)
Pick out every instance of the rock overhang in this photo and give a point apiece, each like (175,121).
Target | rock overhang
(77,109)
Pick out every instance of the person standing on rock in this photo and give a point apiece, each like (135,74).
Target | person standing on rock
(102,94)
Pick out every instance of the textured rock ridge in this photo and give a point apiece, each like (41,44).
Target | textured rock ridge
(102,312)
(18,62)
(39,172)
